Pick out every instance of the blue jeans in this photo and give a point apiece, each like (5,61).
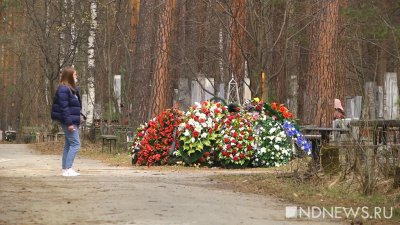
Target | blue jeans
(71,146)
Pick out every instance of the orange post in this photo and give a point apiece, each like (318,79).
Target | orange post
(262,85)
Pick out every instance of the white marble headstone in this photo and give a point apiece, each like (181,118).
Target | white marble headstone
(195,92)
(221,91)
(379,102)
(246,89)
(208,84)
(391,96)
(117,90)
(353,107)
(356,107)
(347,109)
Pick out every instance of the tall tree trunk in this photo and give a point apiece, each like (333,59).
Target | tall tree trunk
(134,4)
(12,69)
(201,17)
(304,50)
(277,71)
(237,42)
(63,12)
(47,31)
(322,67)
(141,77)
(6,66)
(342,56)
(292,65)
(257,20)
(73,48)
(91,62)
(161,76)
(3,80)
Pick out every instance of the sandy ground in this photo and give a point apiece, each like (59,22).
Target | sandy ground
(32,191)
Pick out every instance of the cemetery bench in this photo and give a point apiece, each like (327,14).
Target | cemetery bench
(323,132)
(109,139)
(10,135)
(121,135)
(312,136)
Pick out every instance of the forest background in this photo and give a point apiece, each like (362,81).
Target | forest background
(311,51)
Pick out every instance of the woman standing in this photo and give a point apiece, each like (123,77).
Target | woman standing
(66,109)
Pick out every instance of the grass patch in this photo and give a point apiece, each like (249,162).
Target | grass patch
(321,192)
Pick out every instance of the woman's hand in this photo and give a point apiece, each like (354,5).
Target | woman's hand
(71,128)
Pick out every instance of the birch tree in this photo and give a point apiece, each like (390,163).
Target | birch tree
(63,29)
(91,62)
(47,32)
(73,48)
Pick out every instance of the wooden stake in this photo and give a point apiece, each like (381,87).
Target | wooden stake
(262,85)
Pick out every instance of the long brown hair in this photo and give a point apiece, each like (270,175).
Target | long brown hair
(67,77)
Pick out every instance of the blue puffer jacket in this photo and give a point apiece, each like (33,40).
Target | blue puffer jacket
(66,106)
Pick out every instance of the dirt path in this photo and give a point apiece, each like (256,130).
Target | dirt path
(32,191)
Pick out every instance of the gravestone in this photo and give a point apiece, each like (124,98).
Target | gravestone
(353,107)
(208,85)
(221,91)
(202,89)
(357,107)
(379,102)
(117,90)
(246,89)
(183,93)
(195,92)
(369,104)
(391,96)
(347,108)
